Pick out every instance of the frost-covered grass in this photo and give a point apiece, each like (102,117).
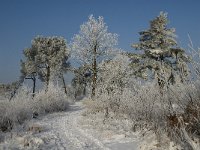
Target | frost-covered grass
(24,107)
(51,101)
(15,111)
(171,114)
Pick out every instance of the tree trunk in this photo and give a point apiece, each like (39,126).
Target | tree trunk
(94,78)
(84,89)
(33,78)
(34,83)
(48,78)
(64,85)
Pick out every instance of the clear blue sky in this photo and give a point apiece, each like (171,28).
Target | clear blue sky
(22,20)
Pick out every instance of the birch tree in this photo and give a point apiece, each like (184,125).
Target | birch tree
(93,44)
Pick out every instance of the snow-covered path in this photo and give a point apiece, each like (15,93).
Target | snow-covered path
(63,131)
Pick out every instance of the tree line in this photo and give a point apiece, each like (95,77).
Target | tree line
(160,57)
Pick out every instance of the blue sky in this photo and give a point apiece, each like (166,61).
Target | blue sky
(22,20)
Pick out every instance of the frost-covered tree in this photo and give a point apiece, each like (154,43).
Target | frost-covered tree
(93,44)
(161,58)
(81,80)
(65,67)
(52,55)
(115,74)
(29,68)
(115,83)
(46,58)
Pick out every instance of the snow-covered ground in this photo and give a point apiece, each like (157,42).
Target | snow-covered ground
(65,130)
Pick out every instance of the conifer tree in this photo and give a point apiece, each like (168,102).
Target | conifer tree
(47,58)
(161,59)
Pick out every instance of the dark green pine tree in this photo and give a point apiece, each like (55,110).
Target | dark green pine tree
(161,59)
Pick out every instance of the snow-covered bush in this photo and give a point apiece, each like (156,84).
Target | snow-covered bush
(172,110)
(17,110)
(114,80)
(111,81)
(5,121)
(50,101)
(23,106)
(184,126)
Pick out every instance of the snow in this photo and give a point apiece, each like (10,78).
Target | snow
(156,51)
(63,130)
